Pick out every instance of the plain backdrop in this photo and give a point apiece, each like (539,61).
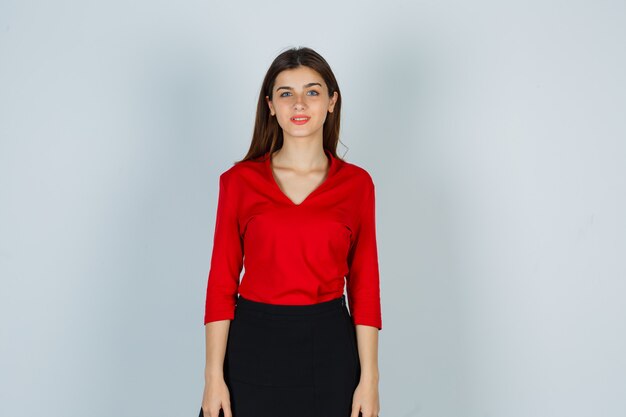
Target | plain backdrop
(495,135)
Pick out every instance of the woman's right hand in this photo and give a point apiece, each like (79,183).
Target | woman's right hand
(216,396)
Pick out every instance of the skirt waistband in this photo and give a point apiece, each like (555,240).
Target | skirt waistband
(291,310)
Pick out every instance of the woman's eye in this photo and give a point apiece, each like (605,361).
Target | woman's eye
(315,93)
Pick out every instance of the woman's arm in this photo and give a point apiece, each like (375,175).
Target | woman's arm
(216,394)
(216,337)
(363,285)
(363,278)
(367,340)
(365,399)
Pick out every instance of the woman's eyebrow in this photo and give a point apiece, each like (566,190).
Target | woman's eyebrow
(305,86)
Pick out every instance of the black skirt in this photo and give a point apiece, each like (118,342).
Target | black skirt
(291,360)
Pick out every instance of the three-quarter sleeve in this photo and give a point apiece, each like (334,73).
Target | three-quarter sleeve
(363,281)
(227,256)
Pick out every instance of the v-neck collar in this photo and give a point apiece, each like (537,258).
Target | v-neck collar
(334,164)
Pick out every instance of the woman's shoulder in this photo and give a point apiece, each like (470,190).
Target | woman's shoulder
(356,173)
(243,169)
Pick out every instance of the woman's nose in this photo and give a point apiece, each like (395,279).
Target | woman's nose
(299,103)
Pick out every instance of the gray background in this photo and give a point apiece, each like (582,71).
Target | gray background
(495,135)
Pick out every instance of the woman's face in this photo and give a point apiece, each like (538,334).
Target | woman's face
(301,93)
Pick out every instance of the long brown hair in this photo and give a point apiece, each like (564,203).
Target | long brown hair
(268,135)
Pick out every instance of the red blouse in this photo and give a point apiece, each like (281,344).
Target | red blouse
(295,253)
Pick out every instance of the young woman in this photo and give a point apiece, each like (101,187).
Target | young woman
(282,342)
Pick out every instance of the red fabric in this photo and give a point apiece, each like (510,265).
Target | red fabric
(295,254)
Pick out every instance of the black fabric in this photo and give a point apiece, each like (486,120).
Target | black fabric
(291,360)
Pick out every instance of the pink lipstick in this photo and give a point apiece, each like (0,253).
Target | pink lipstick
(300,119)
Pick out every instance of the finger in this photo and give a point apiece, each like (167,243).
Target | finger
(356,412)
(227,411)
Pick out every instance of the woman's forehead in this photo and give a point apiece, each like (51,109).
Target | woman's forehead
(300,76)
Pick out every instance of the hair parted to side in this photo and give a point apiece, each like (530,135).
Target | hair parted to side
(267,134)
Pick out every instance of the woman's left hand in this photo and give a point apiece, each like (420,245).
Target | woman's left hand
(365,399)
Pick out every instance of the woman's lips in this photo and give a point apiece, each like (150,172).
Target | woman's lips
(299,120)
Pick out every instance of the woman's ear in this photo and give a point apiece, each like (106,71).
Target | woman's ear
(333,101)
(270,105)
